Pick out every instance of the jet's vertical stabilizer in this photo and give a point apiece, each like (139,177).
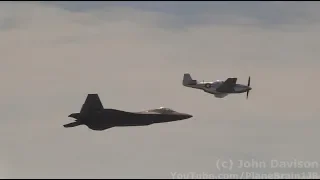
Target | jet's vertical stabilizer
(91,104)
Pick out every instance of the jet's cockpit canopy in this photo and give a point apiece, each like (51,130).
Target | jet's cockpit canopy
(166,109)
(162,110)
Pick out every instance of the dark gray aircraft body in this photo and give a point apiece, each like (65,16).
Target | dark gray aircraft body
(95,117)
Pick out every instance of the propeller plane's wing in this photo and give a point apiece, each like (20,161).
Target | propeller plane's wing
(228,85)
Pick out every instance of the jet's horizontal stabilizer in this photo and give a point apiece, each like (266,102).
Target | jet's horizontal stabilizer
(73,124)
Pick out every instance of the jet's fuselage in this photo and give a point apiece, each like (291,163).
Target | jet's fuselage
(107,118)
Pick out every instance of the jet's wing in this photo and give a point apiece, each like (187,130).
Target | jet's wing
(227,86)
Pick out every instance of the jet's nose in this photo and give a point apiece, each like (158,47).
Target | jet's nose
(187,116)
(249,88)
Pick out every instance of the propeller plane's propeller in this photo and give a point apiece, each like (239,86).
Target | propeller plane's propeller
(249,87)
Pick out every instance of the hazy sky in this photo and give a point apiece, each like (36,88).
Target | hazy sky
(134,55)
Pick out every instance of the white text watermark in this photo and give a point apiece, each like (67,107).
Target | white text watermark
(245,175)
(259,164)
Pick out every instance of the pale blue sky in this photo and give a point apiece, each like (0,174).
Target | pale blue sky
(54,54)
(268,13)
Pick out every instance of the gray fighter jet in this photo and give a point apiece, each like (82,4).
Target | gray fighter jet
(95,117)
(218,88)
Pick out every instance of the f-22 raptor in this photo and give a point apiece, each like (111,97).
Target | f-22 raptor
(218,88)
(95,117)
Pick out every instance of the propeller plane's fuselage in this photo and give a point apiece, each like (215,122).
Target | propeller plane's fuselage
(218,88)
(211,87)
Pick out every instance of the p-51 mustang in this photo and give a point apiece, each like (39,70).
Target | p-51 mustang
(219,89)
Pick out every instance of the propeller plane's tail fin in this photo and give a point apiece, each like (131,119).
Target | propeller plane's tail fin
(187,80)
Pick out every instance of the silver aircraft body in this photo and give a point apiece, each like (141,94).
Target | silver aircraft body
(218,88)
